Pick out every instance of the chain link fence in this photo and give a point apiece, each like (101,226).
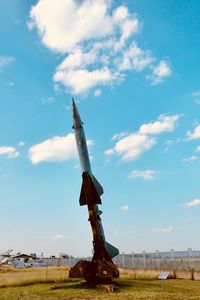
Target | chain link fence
(172,260)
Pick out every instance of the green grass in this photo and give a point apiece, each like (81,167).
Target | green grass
(127,289)
(58,286)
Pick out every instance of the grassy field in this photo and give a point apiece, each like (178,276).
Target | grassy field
(37,284)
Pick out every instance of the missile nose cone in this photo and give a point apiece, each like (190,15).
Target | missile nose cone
(73,106)
(76,117)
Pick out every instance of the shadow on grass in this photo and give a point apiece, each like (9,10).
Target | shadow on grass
(119,284)
(67,285)
(124,284)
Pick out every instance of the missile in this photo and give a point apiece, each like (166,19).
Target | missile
(90,195)
(91,189)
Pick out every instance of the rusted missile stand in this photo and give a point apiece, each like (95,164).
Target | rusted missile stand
(101,269)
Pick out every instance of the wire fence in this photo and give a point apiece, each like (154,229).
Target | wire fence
(172,260)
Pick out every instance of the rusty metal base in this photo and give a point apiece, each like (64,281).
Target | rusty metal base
(94,272)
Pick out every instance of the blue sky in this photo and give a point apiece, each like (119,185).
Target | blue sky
(133,69)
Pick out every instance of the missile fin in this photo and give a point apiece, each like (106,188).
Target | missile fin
(89,194)
(82,199)
(112,251)
(97,185)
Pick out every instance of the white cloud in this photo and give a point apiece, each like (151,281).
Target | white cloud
(170,143)
(21,143)
(98,41)
(124,207)
(58,237)
(109,152)
(135,59)
(198,149)
(190,159)
(146,175)
(97,93)
(77,166)
(48,100)
(80,81)
(64,24)
(197,100)
(134,144)
(160,72)
(119,135)
(192,203)
(196,97)
(196,94)
(163,124)
(78,59)
(128,25)
(10,152)
(194,135)
(120,14)
(163,230)
(4,61)
(56,149)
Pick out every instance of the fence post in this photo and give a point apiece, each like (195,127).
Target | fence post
(123,260)
(173,262)
(172,258)
(144,259)
(190,263)
(189,257)
(132,260)
(157,258)
(46,272)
